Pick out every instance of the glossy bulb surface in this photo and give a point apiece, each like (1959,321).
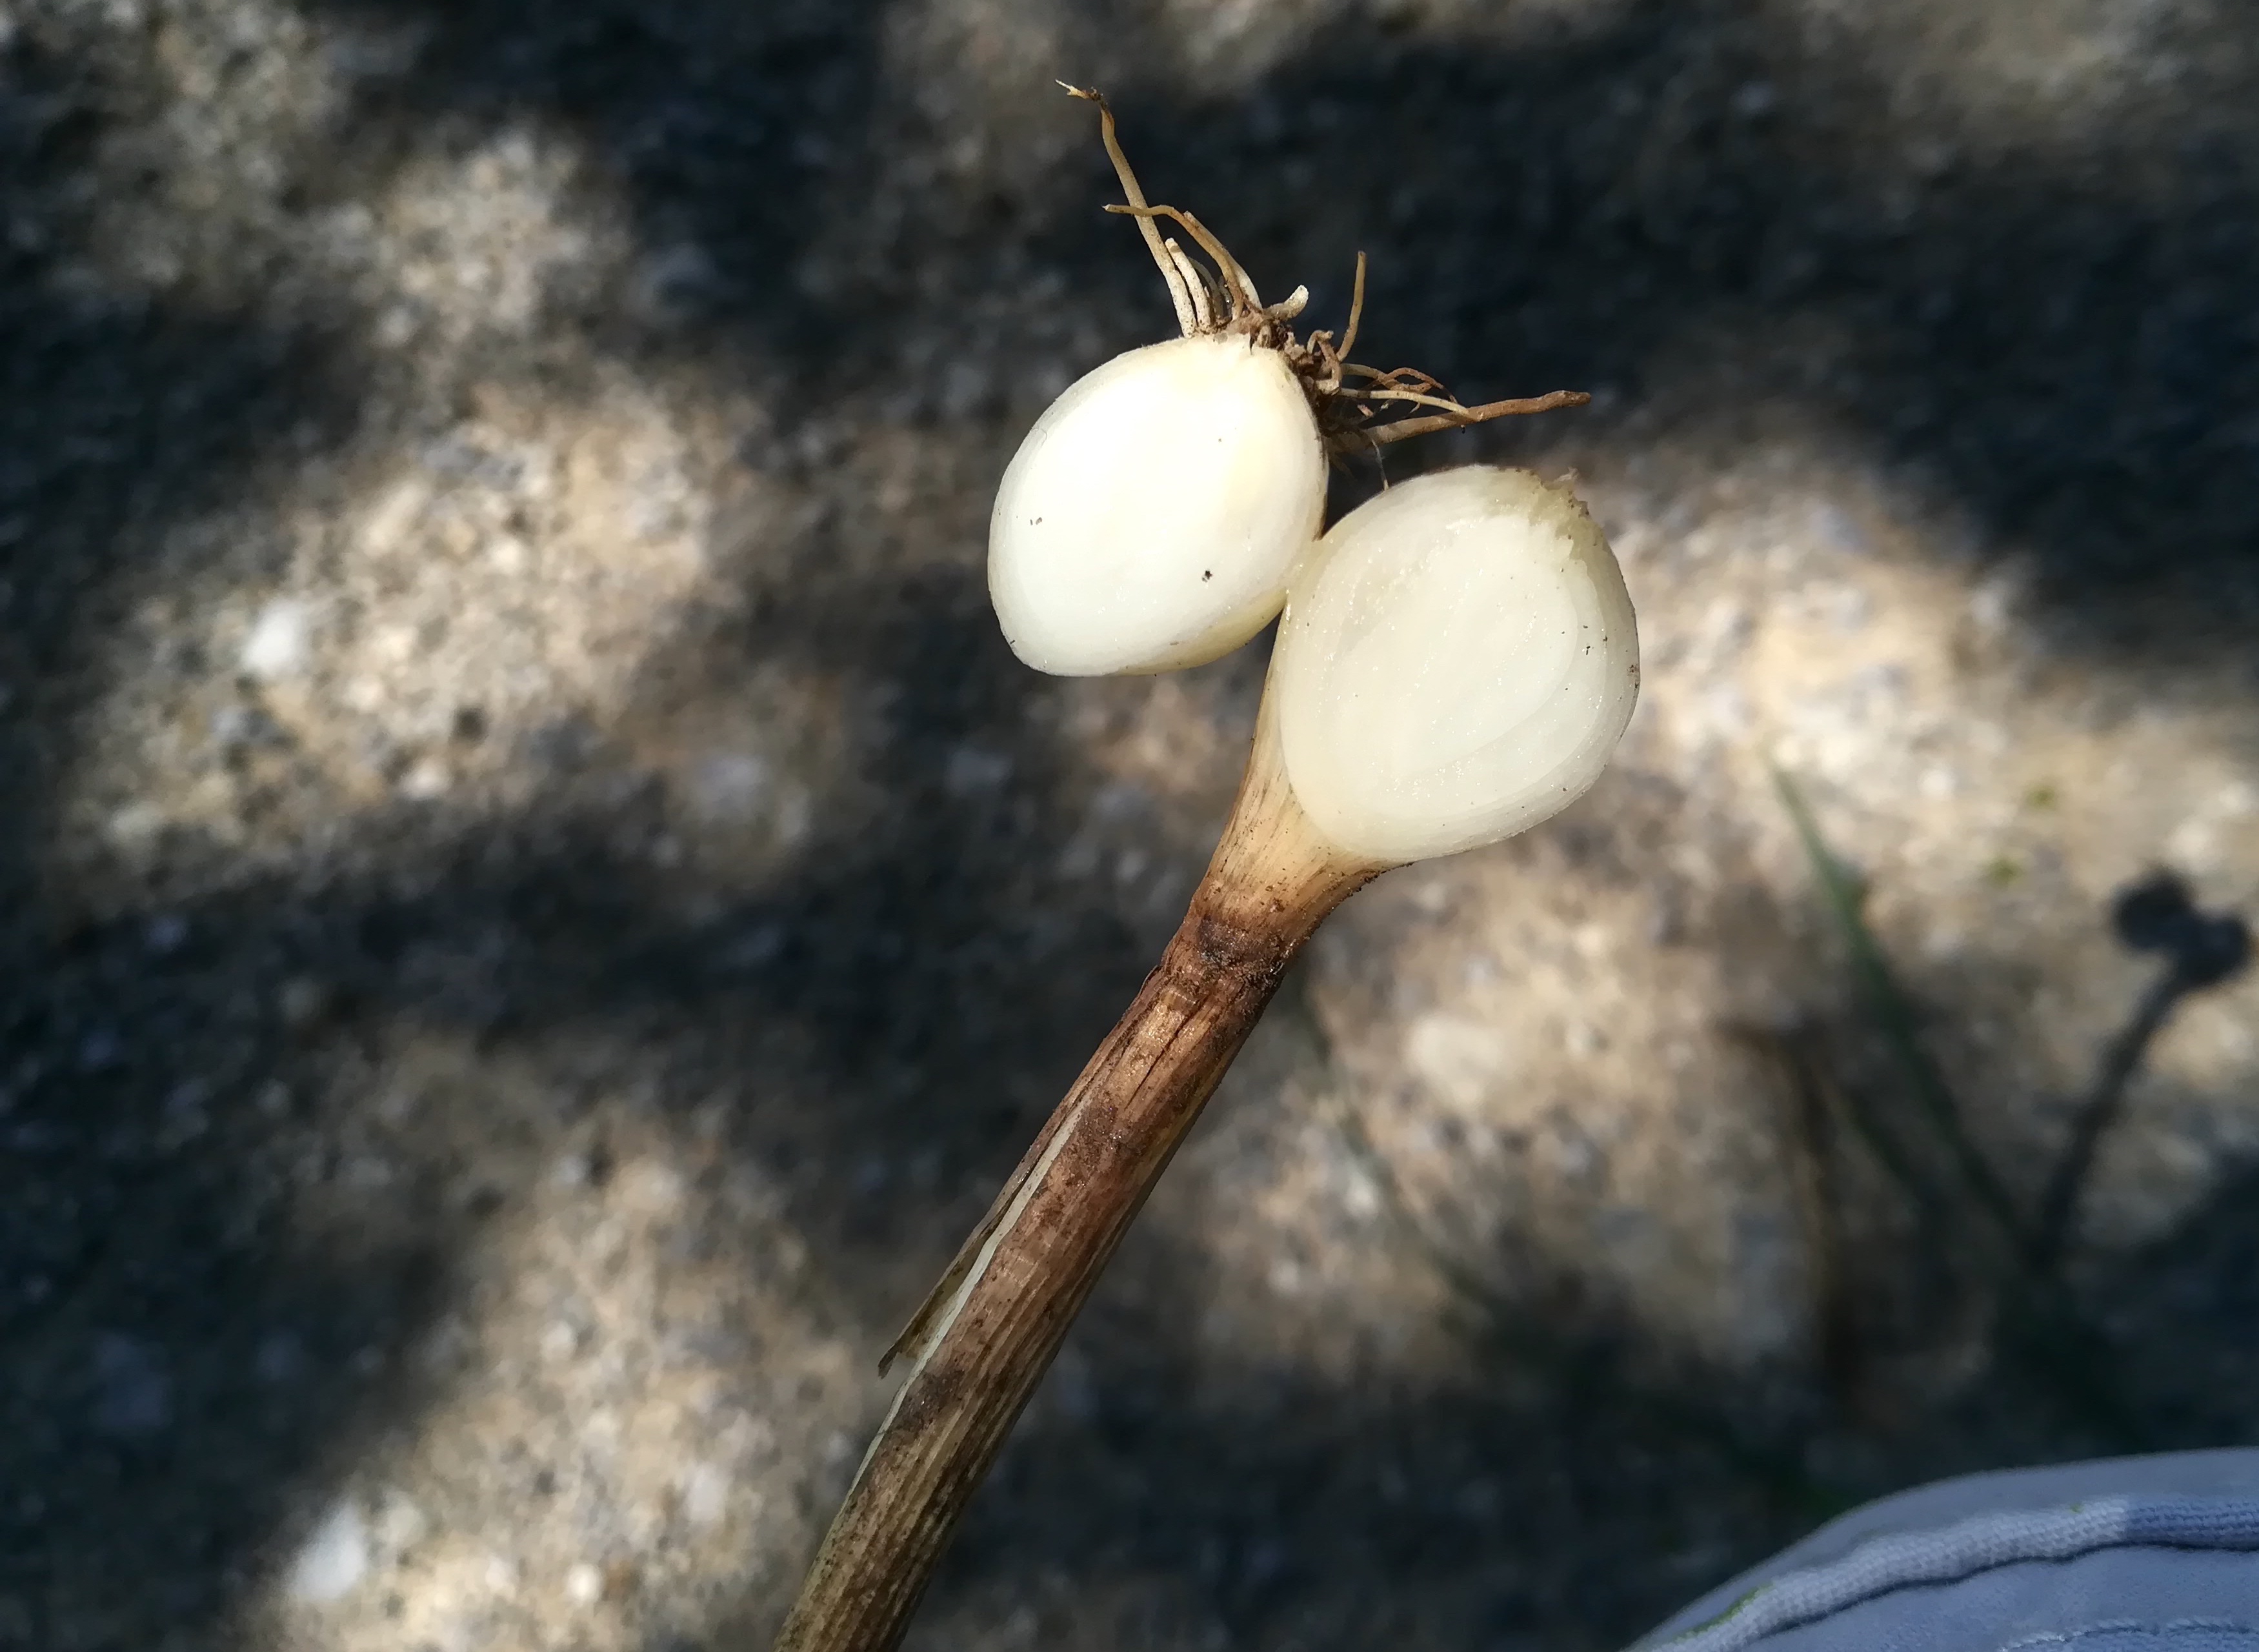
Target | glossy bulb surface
(1153,515)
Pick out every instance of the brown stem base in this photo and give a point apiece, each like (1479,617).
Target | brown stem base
(987,1333)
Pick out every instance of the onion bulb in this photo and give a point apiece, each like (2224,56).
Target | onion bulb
(1151,518)
(1458,661)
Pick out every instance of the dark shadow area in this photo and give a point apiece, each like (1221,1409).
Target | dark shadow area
(174,1366)
(2063,342)
(178,1365)
(2049,324)
(2201,950)
(2184,1311)
(187,1366)
(1243,1502)
(1484,1508)
(1267,1511)
(735,131)
(1975,1251)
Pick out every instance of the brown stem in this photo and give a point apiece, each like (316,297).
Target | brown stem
(988,1332)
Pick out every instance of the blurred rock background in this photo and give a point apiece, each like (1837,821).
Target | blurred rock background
(535,907)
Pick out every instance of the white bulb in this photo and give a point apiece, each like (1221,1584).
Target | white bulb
(1152,516)
(1458,661)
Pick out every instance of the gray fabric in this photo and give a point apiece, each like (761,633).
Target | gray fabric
(2147,1553)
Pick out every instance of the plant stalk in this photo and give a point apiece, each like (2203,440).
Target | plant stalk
(988,1332)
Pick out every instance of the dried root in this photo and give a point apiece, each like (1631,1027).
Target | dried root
(1347,396)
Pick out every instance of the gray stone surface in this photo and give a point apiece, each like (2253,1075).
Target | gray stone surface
(535,907)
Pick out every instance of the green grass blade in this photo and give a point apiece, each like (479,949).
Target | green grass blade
(1895,1016)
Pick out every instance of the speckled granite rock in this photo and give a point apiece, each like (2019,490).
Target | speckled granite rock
(535,907)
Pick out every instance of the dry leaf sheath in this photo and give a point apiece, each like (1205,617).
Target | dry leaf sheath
(987,1333)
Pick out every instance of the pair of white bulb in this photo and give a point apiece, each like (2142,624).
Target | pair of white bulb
(1459,656)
